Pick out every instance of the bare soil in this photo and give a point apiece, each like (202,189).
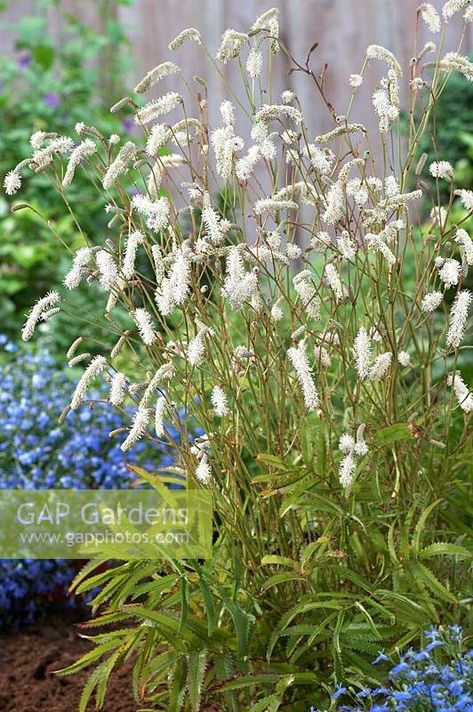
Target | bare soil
(28,659)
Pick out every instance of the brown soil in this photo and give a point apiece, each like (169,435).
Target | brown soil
(28,684)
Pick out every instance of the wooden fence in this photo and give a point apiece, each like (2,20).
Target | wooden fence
(343,29)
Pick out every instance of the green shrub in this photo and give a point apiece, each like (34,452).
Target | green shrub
(48,85)
(316,333)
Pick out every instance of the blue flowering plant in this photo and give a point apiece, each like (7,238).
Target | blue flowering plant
(436,678)
(38,452)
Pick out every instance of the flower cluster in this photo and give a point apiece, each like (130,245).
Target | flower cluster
(38,452)
(436,678)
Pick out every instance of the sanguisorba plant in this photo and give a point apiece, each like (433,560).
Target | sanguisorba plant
(283,296)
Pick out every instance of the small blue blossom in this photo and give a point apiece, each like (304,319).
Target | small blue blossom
(37,452)
(437,678)
(382,657)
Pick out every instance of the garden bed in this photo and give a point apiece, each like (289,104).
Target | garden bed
(28,659)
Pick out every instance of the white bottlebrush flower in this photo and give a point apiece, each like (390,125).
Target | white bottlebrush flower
(293,252)
(120,164)
(267,205)
(456,62)
(268,112)
(145,326)
(404,359)
(385,109)
(36,314)
(158,107)
(196,350)
(466,197)
(79,267)
(187,35)
(156,212)
(287,96)
(74,346)
(374,241)
(128,265)
(362,349)
(335,204)
(277,313)
(212,221)
(219,401)
(203,471)
(227,112)
(138,428)
(159,416)
(356,80)
(346,443)
(254,62)
(306,292)
(225,145)
(380,367)
(463,395)
(117,389)
(463,239)
(450,272)
(159,135)
(239,285)
(300,362)
(179,279)
(108,272)
(458,318)
(44,157)
(79,359)
(78,154)
(165,69)
(38,138)
(96,366)
(332,278)
(468,16)
(164,373)
(340,131)
(347,470)
(245,165)
(319,159)
(346,245)
(230,45)
(360,448)
(12,182)
(430,16)
(384,55)
(431,301)
(451,7)
(441,169)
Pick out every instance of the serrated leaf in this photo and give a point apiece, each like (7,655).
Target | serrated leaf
(393,433)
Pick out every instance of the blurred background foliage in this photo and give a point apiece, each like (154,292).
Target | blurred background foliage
(51,81)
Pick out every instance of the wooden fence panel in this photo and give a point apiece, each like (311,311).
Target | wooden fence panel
(343,29)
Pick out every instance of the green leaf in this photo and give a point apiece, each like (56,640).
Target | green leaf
(442,548)
(393,433)
(428,578)
(282,560)
(195,675)
(420,526)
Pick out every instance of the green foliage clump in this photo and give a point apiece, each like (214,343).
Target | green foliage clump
(50,84)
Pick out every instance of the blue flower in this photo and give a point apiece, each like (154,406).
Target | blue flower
(38,453)
(338,692)
(419,683)
(382,657)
